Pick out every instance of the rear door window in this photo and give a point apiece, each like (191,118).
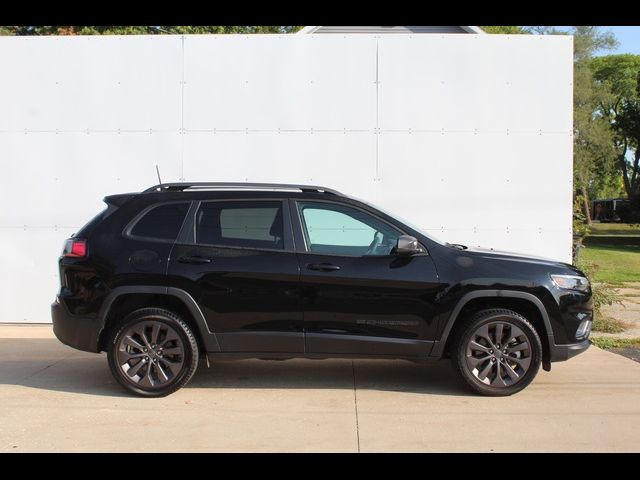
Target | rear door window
(247,224)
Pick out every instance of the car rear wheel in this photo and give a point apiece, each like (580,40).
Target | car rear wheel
(153,352)
(497,352)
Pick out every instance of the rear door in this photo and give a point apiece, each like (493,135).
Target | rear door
(237,261)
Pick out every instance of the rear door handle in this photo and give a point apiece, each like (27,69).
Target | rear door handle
(194,260)
(323,267)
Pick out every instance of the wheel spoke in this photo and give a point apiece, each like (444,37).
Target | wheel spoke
(477,360)
(140,330)
(513,375)
(522,362)
(515,333)
(130,356)
(147,381)
(171,335)
(155,331)
(518,348)
(499,330)
(172,351)
(173,366)
(498,380)
(476,346)
(161,373)
(510,338)
(135,369)
(128,340)
(483,332)
(485,371)
(519,361)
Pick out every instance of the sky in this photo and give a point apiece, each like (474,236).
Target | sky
(629,38)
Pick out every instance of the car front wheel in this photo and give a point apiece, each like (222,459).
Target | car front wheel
(497,352)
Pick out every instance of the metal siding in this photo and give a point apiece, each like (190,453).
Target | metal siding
(467,136)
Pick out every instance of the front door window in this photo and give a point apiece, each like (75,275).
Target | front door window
(333,229)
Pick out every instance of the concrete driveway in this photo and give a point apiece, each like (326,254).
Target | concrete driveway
(54,398)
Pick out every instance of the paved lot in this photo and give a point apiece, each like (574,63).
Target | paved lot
(54,398)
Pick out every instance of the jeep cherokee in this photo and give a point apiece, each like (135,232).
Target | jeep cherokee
(181,271)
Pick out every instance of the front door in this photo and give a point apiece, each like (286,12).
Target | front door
(358,297)
(237,261)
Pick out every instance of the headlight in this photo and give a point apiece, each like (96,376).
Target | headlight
(571,282)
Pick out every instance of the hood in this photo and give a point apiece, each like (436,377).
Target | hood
(514,256)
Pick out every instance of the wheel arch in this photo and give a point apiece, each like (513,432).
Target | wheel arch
(130,298)
(511,299)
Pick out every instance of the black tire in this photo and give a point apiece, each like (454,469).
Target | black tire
(497,371)
(162,373)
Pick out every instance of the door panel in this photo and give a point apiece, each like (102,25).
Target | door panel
(250,297)
(372,305)
(358,298)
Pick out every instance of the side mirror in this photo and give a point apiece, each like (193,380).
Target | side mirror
(407,245)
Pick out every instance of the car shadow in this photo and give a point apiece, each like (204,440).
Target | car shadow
(49,365)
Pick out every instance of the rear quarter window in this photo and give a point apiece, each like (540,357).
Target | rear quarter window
(162,222)
(86,230)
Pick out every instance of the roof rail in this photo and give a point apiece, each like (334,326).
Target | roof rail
(180,187)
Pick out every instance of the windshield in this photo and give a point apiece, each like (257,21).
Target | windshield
(406,222)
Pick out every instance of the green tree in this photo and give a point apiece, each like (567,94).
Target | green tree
(593,158)
(620,74)
(505,30)
(141,30)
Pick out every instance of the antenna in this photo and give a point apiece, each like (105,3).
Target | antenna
(158,172)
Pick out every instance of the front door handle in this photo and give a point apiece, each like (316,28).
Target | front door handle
(323,267)
(195,260)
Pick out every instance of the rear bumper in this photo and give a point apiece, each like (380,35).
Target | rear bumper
(560,353)
(76,331)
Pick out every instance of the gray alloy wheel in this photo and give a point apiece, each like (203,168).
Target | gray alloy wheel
(497,352)
(152,352)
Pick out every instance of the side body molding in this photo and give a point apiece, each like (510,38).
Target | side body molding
(208,337)
(438,348)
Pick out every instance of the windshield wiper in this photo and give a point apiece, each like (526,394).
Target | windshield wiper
(457,245)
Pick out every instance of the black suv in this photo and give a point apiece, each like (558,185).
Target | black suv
(184,270)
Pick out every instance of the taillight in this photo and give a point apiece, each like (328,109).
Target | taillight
(75,248)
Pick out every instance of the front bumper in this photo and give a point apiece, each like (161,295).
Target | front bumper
(560,353)
(79,332)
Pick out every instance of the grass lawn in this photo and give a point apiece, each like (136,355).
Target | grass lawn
(615,249)
(607,343)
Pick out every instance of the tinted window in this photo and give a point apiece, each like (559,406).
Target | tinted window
(86,230)
(339,230)
(162,222)
(240,224)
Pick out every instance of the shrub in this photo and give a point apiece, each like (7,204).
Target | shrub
(602,293)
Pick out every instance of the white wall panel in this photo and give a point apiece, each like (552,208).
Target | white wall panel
(270,82)
(468,136)
(345,162)
(482,82)
(60,179)
(30,275)
(97,83)
(453,190)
